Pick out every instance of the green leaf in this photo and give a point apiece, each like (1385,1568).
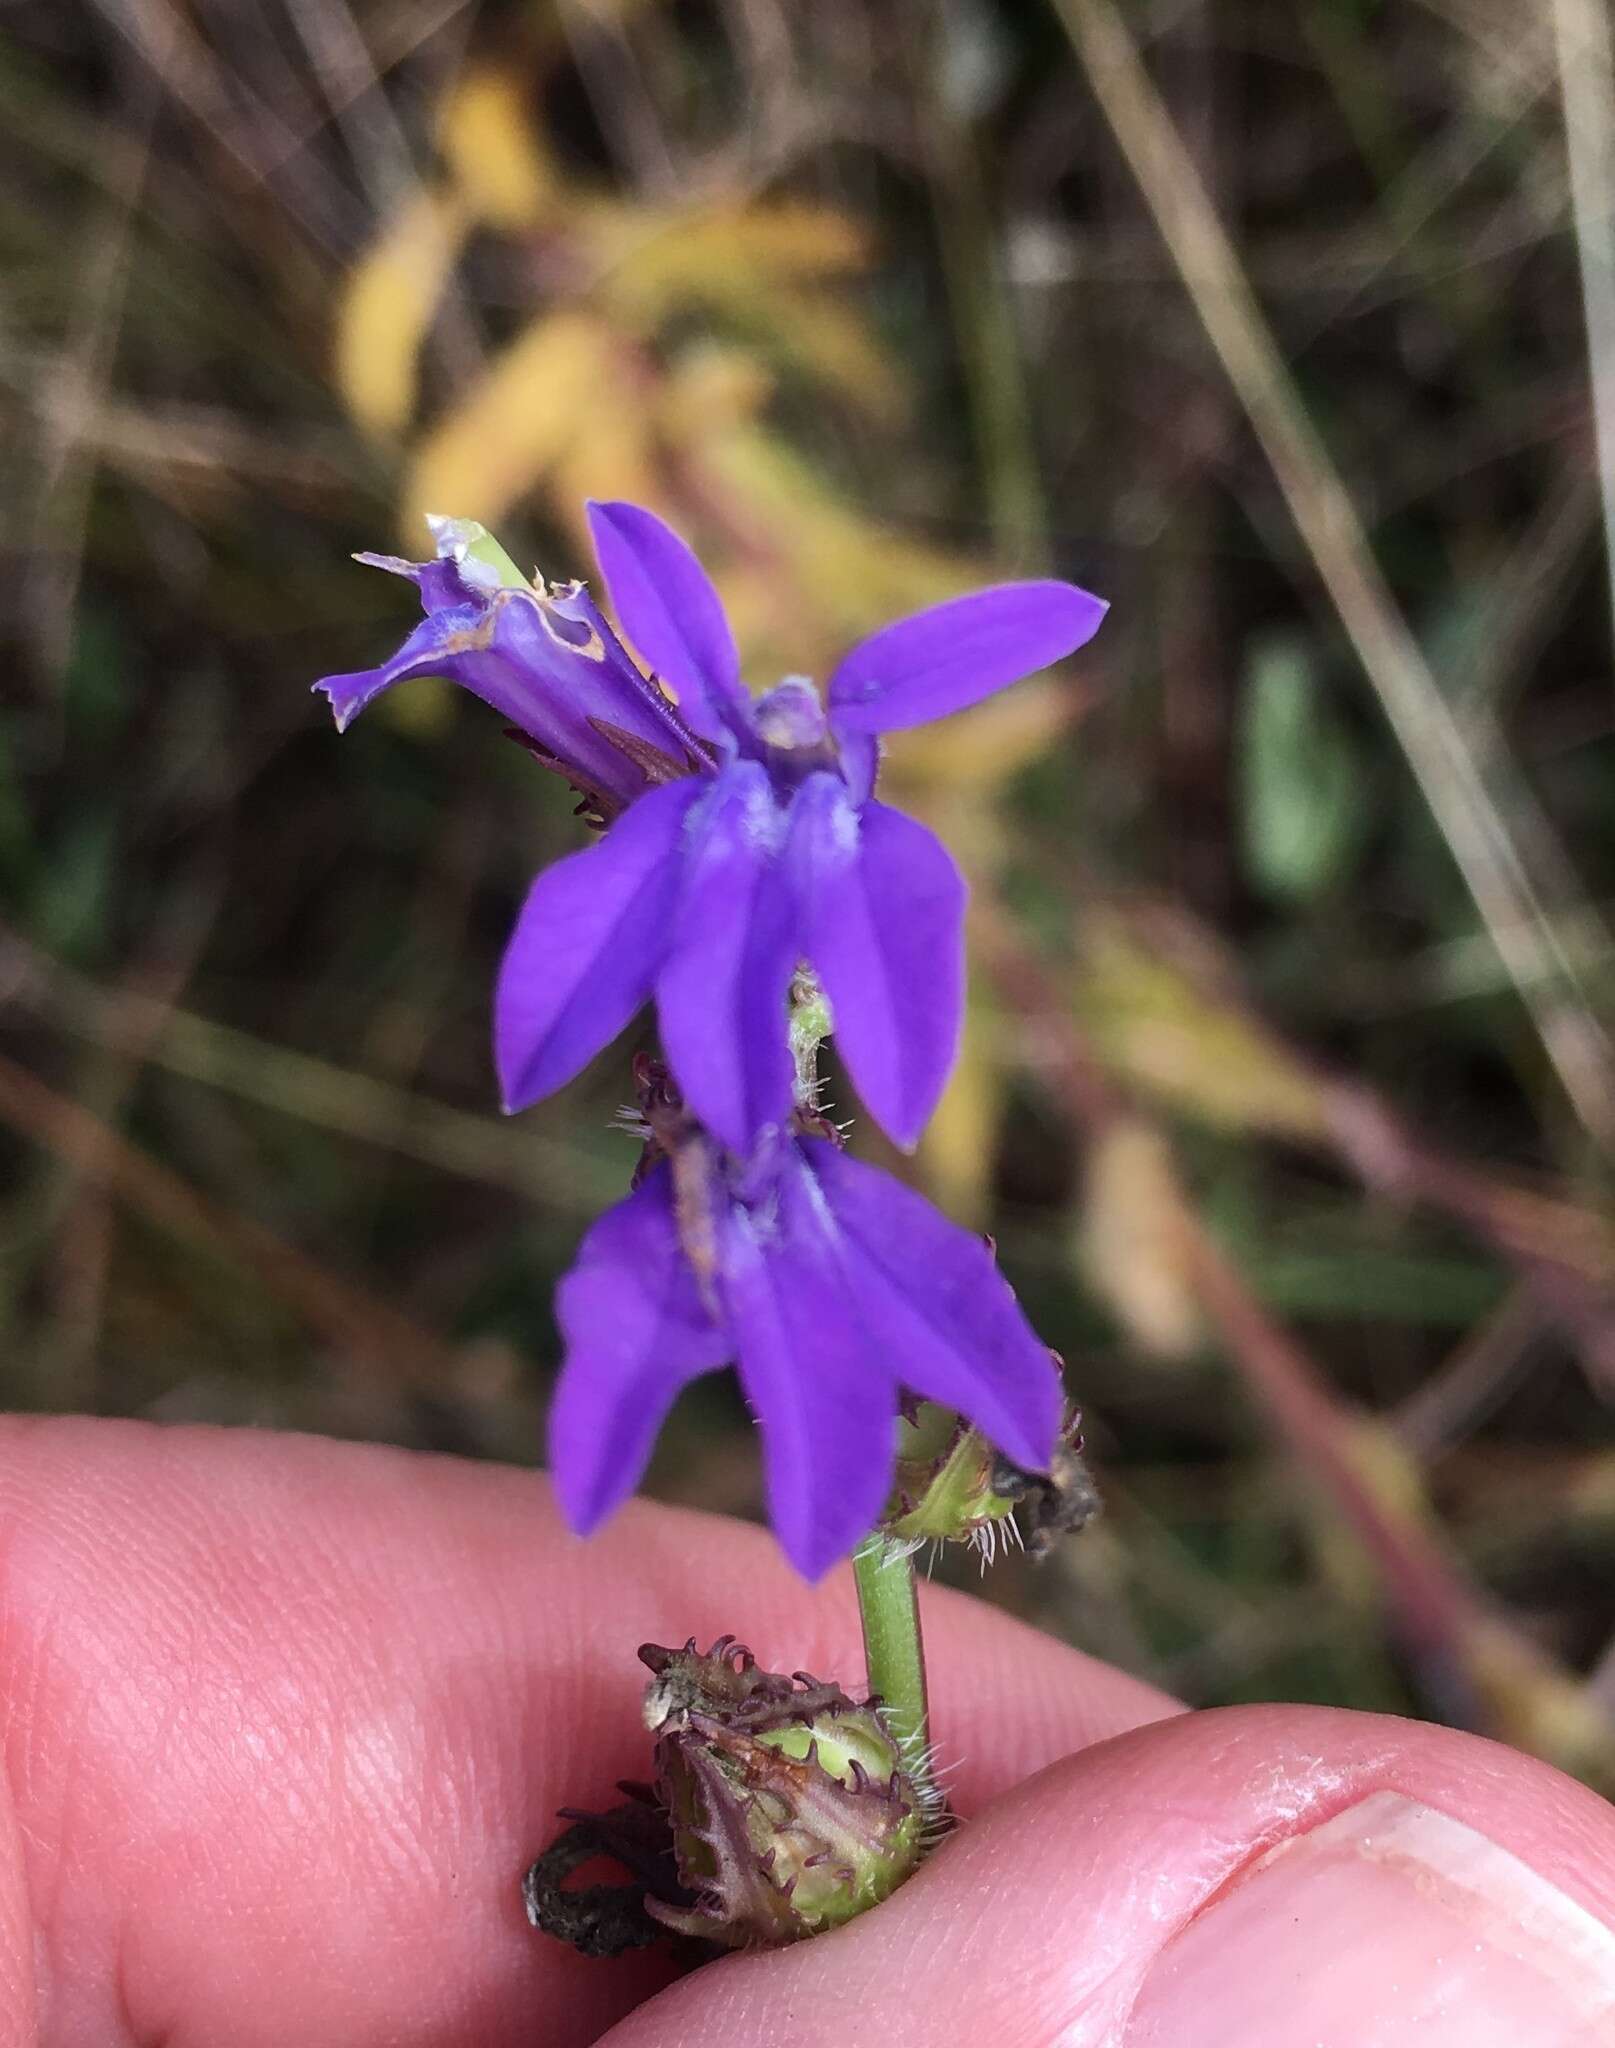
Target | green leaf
(1301,799)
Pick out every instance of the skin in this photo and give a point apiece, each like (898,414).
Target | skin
(284,1719)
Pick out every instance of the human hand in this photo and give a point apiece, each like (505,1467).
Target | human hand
(285,1719)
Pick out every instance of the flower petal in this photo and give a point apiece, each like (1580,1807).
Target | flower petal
(860,763)
(819,1388)
(721,996)
(636,1333)
(881,909)
(442,583)
(587,946)
(959,652)
(935,1305)
(667,606)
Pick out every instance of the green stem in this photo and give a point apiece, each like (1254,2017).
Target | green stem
(894,1656)
(888,1602)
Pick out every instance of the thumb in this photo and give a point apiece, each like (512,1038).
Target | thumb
(1265,1876)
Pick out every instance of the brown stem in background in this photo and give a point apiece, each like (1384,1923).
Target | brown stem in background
(1473,1660)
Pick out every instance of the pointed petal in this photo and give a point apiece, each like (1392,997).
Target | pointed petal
(721,996)
(424,653)
(881,906)
(936,1307)
(959,652)
(860,763)
(587,946)
(821,1392)
(667,606)
(442,583)
(636,1333)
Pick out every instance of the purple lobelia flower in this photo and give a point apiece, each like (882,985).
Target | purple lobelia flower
(751,839)
(832,1287)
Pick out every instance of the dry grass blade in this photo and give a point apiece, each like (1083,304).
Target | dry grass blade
(1480,840)
(1486,1365)
(314,1090)
(256,141)
(359,1324)
(1587,83)
(72,395)
(346,74)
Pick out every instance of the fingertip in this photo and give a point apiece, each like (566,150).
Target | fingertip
(1255,1875)
(19,2015)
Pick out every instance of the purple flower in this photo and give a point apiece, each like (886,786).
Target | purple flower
(751,839)
(832,1287)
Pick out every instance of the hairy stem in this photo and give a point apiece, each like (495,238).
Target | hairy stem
(894,1656)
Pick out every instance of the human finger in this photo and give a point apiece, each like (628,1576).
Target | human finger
(1261,1876)
(285,1718)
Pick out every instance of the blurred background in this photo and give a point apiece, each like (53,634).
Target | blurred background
(1289,1092)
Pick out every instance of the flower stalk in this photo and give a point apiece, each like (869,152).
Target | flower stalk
(894,1651)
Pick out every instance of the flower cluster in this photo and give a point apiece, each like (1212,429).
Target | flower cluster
(745,854)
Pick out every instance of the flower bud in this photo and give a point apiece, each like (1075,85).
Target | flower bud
(789,1806)
(942,1489)
(952,1486)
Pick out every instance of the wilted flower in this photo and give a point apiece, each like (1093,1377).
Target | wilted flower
(789,1806)
(544,658)
(766,848)
(832,1288)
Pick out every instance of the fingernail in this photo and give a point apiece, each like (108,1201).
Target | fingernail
(1390,1926)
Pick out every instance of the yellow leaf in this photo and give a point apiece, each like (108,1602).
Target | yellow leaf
(983,747)
(956,1153)
(548,389)
(493,152)
(1163,1010)
(830,343)
(616,458)
(757,267)
(387,307)
(712,389)
(1130,1244)
(836,574)
(653,261)
(1540,1707)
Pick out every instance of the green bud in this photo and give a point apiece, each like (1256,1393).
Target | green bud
(810,1024)
(951,1486)
(943,1489)
(789,1806)
(469,543)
